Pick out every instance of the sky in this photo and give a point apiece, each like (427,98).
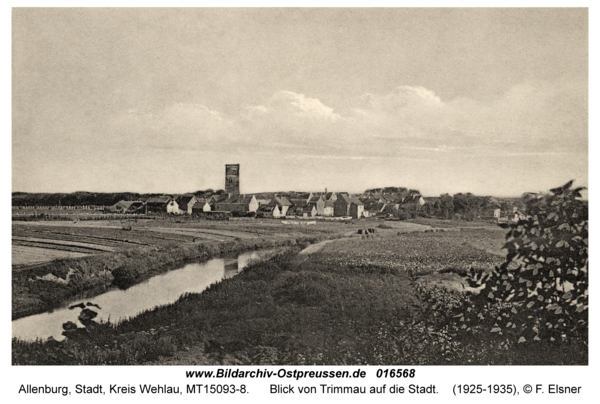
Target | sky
(492,101)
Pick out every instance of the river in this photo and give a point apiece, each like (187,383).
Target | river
(118,304)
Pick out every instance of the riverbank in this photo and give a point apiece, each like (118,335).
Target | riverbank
(47,286)
(148,247)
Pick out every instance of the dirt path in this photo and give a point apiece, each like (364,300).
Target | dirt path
(395,227)
(405,227)
(313,248)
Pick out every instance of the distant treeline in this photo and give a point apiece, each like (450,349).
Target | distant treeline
(74,198)
(401,191)
(82,198)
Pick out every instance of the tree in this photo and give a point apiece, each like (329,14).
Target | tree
(446,205)
(469,205)
(541,290)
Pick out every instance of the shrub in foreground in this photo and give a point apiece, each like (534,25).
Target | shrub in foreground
(541,290)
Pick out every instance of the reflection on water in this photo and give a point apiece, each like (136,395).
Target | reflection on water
(121,304)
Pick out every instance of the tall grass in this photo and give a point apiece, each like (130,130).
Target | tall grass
(122,268)
(299,310)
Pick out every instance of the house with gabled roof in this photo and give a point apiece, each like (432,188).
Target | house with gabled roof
(126,207)
(396,202)
(201,206)
(376,197)
(356,209)
(295,210)
(269,210)
(303,211)
(215,199)
(328,209)
(412,203)
(238,203)
(372,209)
(306,210)
(162,204)
(347,205)
(264,198)
(186,203)
(327,196)
(319,203)
(414,199)
(283,204)
(297,202)
(173,207)
(309,210)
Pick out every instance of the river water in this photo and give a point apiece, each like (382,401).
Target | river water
(117,304)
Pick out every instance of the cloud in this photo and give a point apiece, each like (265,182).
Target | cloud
(292,119)
(292,106)
(407,135)
(407,122)
(530,114)
(179,126)
(405,112)
(401,99)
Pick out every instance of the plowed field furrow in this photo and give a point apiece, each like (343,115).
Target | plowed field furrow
(57,247)
(62,243)
(23,256)
(226,233)
(98,236)
(179,240)
(68,236)
(188,235)
(81,239)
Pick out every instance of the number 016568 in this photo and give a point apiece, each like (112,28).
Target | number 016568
(404,373)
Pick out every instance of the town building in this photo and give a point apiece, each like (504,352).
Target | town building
(238,203)
(202,206)
(328,209)
(232,179)
(283,203)
(270,210)
(346,205)
(186,203)
(126,207)
(319,203)
(161,204)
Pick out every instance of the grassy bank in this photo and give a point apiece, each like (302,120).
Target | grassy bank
(47,286)
(355,302)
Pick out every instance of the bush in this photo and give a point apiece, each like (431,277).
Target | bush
(426,336)
(125,277)
(305,288)
(541,291)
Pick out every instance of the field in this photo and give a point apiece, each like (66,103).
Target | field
(62,238)
(127,251)
(346,299)
(422,252)
(321,307)
(26,256)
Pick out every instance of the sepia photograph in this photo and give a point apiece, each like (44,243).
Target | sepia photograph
(392,187)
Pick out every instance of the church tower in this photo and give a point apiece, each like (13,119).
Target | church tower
(232,179)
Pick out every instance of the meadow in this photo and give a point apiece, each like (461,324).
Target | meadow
(95,254)
(392,297)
